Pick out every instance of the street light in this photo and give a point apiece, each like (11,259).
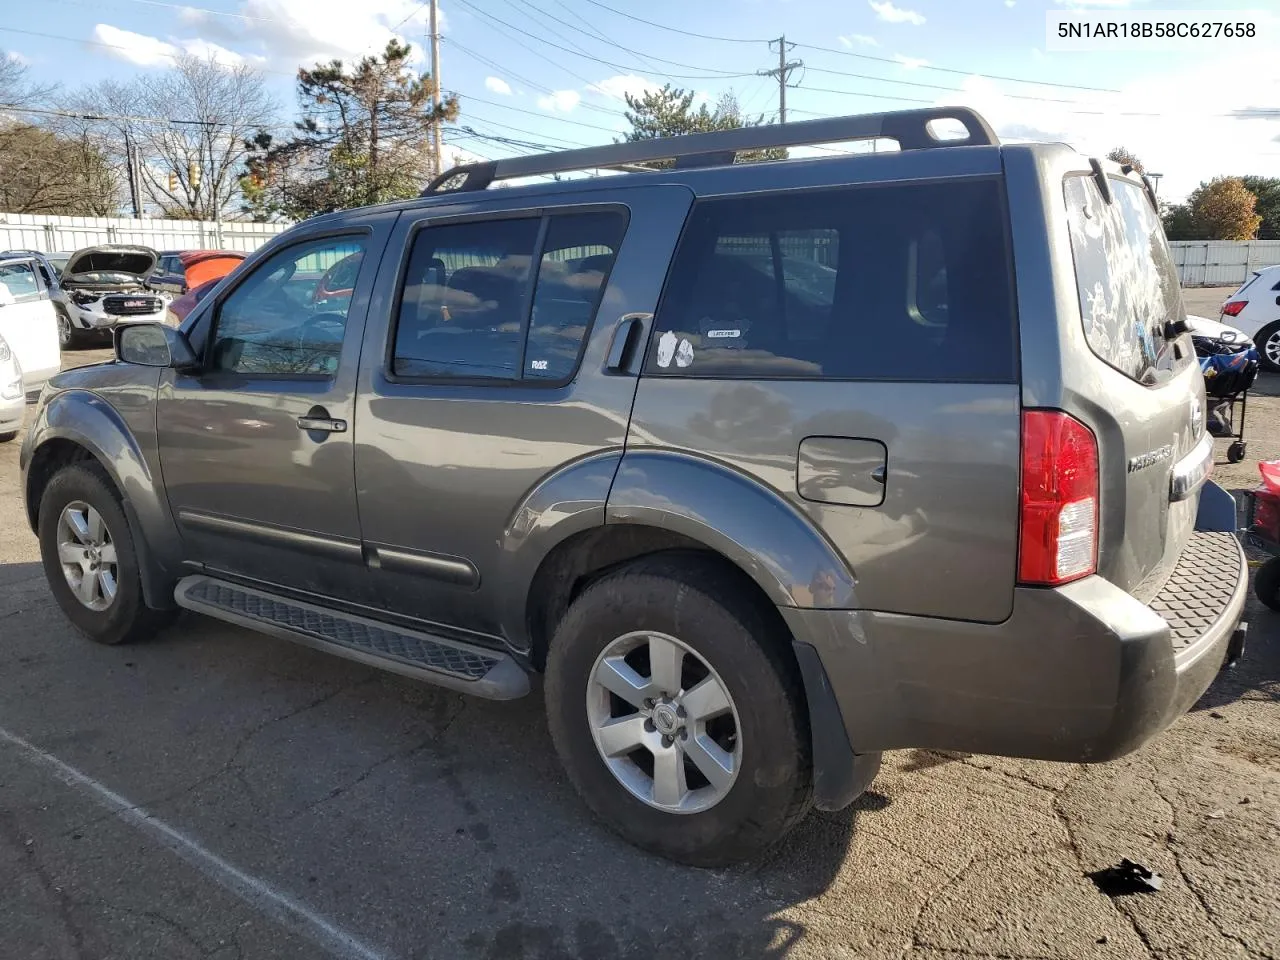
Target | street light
(1155,182)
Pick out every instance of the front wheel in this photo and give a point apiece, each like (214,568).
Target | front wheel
(90,559)
(1266,583)
(68,336)
(678,713)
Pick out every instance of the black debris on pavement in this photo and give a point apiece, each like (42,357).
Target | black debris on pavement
(1126,878)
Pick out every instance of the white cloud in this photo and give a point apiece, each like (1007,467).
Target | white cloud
(620,85)
(136,48)
(293,32)
(1010,3)
(1180,121)
(887,12)
(497,85)
(858,38)
(1097,3)
(147,51)
(13,56)
(561,101)
(911,63)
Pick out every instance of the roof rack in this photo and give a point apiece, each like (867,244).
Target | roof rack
(910,128)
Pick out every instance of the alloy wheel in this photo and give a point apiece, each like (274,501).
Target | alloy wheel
(87,554)
(1271,348)
(664,723)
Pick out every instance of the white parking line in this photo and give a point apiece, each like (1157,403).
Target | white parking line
(280,907)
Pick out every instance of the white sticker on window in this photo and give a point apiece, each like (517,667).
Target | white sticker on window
(666,348)
(539,364)
(684,354)
(724,334)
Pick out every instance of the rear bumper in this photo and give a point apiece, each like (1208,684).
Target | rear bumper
(1081,673)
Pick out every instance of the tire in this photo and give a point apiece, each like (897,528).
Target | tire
(1266,583)
(1236,452)
(69,338)
(707,610)
(125,617)
(6,437)
(1266,336)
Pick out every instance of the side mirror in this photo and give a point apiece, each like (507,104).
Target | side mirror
(154,345)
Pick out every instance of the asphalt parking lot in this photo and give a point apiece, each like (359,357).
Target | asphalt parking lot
(216,794)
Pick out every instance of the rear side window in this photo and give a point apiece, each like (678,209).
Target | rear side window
(504,299)
(900,282)
(1125,279)
(20,280)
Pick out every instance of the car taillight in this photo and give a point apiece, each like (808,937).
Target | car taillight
(1058,535)
(1232,308)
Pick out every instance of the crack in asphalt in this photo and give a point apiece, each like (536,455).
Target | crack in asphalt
(31,860)
(1074,844)
(179,928)
(232,760)
(1170,845)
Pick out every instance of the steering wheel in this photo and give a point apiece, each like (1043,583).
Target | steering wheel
(330,323)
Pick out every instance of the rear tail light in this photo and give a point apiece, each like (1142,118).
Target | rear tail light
(1233,308)
(1058,536)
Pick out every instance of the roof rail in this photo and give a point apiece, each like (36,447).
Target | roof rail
(910,128)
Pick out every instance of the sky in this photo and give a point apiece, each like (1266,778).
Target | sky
(553,73)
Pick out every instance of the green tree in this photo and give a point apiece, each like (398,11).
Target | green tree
(1220,209)
(364,136)
(1267,190)
(669,113)
(1123,155)
(1179,224)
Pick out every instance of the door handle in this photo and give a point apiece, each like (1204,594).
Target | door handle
(620,349)
(324,424)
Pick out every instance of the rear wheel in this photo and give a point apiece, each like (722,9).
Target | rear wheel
(1268,342)
(90,559)
(6,437)
(678,714)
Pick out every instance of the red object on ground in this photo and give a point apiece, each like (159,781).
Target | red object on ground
(1270,470)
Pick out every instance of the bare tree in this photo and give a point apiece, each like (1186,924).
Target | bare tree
(187,127)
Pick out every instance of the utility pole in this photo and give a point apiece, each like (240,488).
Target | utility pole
(437,162)
(782,72)
(131,169)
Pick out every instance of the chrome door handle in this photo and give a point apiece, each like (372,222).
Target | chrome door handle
(325,424)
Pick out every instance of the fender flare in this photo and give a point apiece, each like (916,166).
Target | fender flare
(88,421)
(738,517)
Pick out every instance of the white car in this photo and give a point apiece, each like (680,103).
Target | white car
(1255,309)
(12,393)
(28,322)
(104,286)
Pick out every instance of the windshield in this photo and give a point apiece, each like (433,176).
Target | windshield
(58,263)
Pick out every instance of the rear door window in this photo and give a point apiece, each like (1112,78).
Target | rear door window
(905,281)
(1126,281)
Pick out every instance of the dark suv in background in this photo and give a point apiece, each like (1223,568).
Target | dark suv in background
(767,467)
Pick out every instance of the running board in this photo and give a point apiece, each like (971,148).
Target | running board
(411,653)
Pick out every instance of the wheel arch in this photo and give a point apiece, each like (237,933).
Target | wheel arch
(76,426)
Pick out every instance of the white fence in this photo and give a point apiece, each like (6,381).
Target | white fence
(1221,263)
(25,231)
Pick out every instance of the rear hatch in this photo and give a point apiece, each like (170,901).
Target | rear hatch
(1142,386)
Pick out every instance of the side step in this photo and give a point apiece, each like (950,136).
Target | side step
(422,656)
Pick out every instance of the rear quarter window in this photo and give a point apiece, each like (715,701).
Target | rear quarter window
(906,281)
(1126,281)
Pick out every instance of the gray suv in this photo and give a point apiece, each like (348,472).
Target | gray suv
(766,468)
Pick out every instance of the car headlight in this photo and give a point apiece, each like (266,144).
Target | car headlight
(84,298)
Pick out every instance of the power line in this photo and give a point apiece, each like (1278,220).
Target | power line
(647,59)
(533,84)
(558,119)
(117,46)
(850,53)
(663,26)
(938,86)
(216,13)
(706,75)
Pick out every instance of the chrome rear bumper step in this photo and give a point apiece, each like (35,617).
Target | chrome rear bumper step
(478,671)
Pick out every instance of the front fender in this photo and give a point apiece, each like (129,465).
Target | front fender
(90,422)
(739,518)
